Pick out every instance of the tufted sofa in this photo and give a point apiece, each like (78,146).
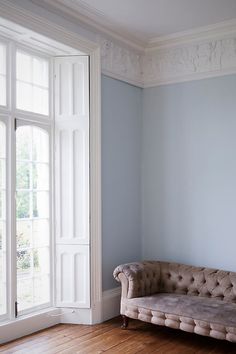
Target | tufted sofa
(193,299)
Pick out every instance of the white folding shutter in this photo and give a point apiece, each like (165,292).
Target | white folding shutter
(72,181)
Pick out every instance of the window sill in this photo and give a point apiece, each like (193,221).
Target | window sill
(27,324)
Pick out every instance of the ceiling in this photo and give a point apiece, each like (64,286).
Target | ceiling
(148,19)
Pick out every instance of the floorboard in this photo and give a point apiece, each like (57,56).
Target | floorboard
(109,338)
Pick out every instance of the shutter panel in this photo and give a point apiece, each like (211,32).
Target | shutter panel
(72,181)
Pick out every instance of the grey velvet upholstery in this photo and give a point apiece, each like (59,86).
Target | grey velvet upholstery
(194,299)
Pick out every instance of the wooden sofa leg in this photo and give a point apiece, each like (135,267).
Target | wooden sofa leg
(125,322)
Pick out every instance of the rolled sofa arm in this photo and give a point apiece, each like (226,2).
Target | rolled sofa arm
(138,278)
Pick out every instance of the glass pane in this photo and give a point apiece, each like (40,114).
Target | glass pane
(2,59)
(40,176)
(2,173)
(23,175)
(39,100)
(41,232)
(42,290)
(41,205)
(23,67)
(40,72)
(2,205)
(22,205)
(41,260)
(32,210)
(32,86)
(40,149)
(23,234)
(3,98)
(2,74)
(23,142)
(3,140)
(2,218)
(24,260)
(24,96)
(24,292)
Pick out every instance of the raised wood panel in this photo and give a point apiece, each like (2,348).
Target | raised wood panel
(73,285)
(72,191)
(71,83)
(72,182)
(72,149)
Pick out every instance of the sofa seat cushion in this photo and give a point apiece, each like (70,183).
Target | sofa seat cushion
(205,316)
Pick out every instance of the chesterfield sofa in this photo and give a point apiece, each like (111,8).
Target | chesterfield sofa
(193,299)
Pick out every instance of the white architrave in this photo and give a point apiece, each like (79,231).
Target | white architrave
(15,13)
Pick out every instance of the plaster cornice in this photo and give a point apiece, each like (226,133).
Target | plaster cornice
(201,53)
(216,31)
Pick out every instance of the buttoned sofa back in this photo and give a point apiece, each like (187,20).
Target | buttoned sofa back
(147,278)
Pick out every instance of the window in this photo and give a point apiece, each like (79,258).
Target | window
(32,83)
(32,215)
(26,170)
(25,208)
(2,219)
(2,74)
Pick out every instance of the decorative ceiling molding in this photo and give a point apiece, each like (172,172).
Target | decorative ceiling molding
(121,63)
(216,31)
(201,53)
(172,64)
(192,61)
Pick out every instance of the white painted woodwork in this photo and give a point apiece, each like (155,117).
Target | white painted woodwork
(72,181)
(55,39)
(72,150)
(73,288)
(71,87)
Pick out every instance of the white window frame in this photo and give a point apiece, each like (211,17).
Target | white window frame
(12,116)
(47,128)
(4,119)
(8,81)
(38,24)
(32,116)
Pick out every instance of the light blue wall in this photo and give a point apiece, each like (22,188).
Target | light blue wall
(189,172)
(121,176)
(188,161)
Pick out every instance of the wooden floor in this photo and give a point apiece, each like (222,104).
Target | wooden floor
(109,338)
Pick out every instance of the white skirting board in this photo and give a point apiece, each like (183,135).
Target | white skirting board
(111,303)
(50,317)
(107,309)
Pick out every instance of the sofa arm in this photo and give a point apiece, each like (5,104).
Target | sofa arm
(139,278)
